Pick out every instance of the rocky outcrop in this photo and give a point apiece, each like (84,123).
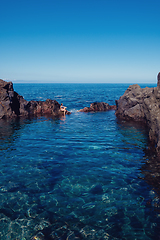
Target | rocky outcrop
(142,105)
(158,79)
(14,105)
(98,107)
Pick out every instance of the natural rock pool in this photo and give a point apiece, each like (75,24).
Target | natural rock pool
(84,176)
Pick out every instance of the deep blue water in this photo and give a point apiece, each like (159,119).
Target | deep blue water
(83,176)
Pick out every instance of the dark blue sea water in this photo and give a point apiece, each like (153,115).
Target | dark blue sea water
(83,176)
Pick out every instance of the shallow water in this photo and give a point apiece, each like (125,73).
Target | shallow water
(83,176)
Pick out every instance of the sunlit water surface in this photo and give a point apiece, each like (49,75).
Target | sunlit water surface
(78,177)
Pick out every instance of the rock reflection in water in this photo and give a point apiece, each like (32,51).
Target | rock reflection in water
(7,128)
(151,174)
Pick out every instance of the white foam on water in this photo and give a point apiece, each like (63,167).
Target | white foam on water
(73,110)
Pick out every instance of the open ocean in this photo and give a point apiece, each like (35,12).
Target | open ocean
(83,176)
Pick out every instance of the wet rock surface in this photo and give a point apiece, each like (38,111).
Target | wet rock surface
(98,107)
(14,105)
(142,105)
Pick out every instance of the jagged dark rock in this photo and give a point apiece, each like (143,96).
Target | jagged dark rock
(158,79)
(98,107)
(142,105)
(14,105)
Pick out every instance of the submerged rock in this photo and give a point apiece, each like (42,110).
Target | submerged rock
(14,105)
(98,107)
(97,189)
(142,105)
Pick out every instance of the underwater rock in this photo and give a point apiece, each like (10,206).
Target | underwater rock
(97,189)
(89,205)
(98,107)
(14,105)
(38,236)
(142,105)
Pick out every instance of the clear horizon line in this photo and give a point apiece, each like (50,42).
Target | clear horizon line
(50,82)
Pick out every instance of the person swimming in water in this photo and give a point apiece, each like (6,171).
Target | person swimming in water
(63,109)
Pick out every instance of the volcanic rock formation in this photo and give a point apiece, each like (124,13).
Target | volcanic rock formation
(142,105)
(98,107)
(14,105)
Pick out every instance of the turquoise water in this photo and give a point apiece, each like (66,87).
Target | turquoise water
(84,176)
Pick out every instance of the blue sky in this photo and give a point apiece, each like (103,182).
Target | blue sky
(80,40)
